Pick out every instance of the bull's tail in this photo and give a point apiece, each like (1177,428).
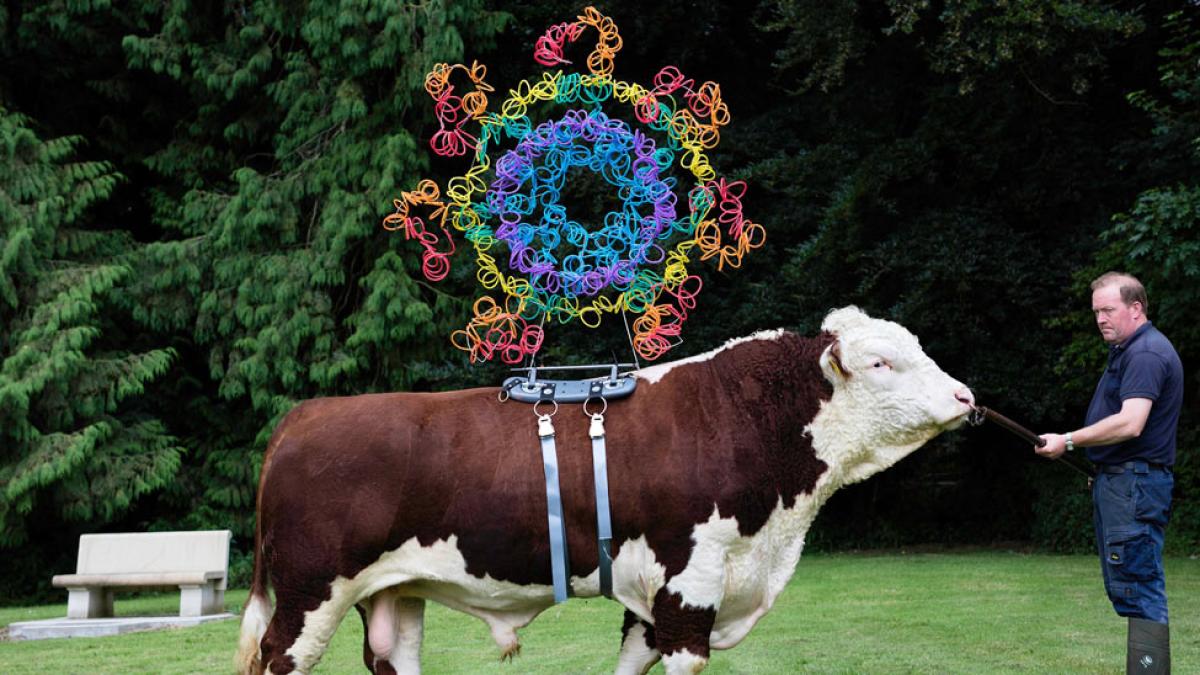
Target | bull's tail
(255,615)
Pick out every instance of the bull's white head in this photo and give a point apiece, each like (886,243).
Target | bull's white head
(889,397)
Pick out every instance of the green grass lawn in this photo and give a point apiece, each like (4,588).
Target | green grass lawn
(986,612)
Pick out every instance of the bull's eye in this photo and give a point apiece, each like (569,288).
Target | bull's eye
(880,364)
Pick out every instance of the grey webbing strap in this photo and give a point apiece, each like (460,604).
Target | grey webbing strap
(603,515)
(554,509)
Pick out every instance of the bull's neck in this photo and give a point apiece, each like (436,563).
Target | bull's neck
(812,437)
(780,388)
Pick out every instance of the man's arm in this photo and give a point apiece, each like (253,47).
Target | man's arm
(1116,428)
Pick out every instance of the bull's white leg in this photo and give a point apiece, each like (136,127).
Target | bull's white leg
(395,629)
(638,654)
(405,657)
(684,663)
(307,647)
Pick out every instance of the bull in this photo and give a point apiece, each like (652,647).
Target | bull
(717,468)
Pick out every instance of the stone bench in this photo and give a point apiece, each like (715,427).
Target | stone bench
(195,562)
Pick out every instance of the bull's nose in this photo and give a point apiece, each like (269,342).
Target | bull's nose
(964,395)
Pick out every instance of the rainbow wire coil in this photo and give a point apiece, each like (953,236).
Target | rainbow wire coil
(556,268)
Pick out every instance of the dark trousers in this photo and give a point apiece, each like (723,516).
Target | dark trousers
(1132,504)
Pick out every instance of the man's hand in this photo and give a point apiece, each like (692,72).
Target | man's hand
(1056,445)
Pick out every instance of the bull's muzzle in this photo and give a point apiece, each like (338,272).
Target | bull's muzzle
(965,397)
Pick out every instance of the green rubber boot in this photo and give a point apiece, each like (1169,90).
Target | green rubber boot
(1149,649)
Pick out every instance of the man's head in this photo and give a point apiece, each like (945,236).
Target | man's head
(1119,304)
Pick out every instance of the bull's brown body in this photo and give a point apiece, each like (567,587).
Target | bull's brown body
(716,468)
(347,479)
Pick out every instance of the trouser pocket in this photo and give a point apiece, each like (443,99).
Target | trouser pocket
(1152,494)
(1129,554)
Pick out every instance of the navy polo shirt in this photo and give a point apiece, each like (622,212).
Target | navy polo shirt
(1143,366)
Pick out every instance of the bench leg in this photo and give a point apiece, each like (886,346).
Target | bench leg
(217,604)
(89,603)
(197,600)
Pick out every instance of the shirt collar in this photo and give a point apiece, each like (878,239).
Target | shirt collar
(1117,348)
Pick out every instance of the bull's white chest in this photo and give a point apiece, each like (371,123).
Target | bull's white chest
(758,572)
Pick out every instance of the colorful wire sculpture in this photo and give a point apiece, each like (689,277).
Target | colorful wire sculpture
(557,268)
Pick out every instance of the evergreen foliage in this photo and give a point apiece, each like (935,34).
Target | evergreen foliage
(75,444)
(273,267)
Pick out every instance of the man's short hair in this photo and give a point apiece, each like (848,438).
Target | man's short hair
(1132,290)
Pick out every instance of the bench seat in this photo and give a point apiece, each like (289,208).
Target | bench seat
(142,579)
(195,562)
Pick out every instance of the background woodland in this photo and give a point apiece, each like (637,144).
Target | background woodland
(191,195)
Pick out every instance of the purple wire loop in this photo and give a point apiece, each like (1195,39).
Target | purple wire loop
(533,174)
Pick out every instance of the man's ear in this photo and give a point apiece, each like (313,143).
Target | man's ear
(831,363)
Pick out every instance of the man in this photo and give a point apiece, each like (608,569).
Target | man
(1130,435)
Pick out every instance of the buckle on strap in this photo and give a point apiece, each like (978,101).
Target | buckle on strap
(552,392)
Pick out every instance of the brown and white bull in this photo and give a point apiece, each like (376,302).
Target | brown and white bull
(717,467)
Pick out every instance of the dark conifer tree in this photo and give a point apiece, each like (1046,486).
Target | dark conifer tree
(76,445)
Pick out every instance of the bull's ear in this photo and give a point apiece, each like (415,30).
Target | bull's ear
(849,318)
(831,363)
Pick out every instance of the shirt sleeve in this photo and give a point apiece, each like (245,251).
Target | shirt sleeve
(1143,376)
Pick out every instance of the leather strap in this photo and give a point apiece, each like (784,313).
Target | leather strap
(554,510)
(603,514)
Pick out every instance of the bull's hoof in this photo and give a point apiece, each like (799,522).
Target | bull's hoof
(510,652)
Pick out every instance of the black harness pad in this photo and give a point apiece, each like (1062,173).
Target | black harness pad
(531,389)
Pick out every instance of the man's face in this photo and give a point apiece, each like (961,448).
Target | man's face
(1115,319)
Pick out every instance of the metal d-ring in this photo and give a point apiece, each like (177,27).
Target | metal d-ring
(593,398)
(535,408)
